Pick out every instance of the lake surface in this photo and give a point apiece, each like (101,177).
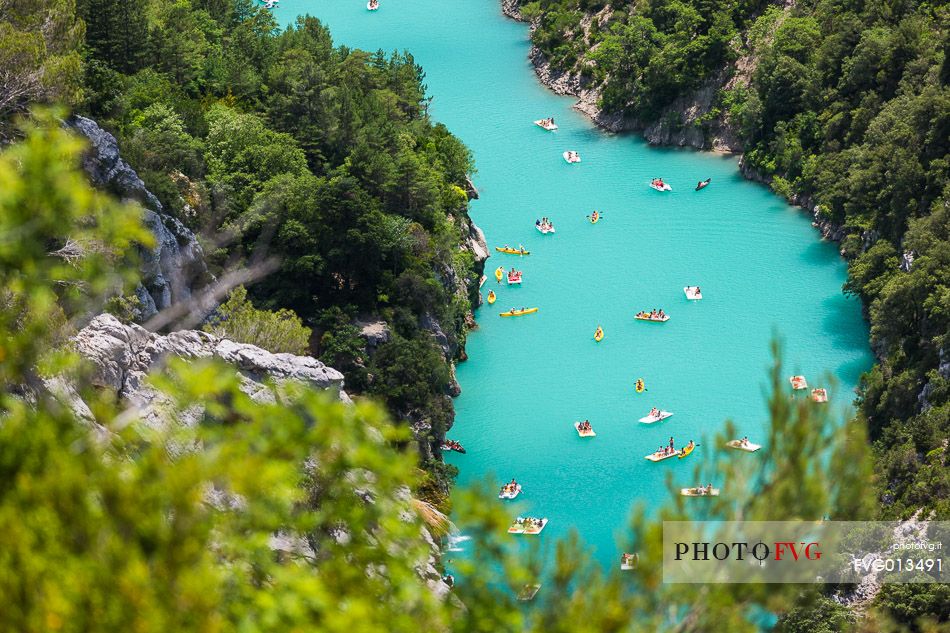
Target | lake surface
(760,264)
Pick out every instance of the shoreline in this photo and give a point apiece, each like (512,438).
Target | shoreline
(659,134)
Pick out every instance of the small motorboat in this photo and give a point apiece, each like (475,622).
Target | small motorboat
(571,157)
(689,448)
(700,491)
(584,432)
(640,386)
(510,491)
(629,562)
(546,124)
(521,312)
(646,316)
(599,334)
(743,445)
(491,297)
(527,525)
(452,445)
(659,185)
(544,227)
(693,293)
(819,395)
(650,419)
(798,383)
(514,277)
(703,184)
(512,251)
(372,5)
(499,273)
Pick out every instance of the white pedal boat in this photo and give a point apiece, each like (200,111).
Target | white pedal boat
(545,124)
(659,457)
(650,419)
(571,157)
(798,382)
(629,561)
(506,494)
(819,395)
(545,229)
(699,491)
(372,6)
(590,433)
(748,447)
(663,187)
(693,293)
(520,527)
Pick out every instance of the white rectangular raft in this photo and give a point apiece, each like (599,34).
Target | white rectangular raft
(691,293)
(654,457)
(748,447)
(510,495)
(650,419)
(699,492)
(517,528)
(590,433)
(798,382)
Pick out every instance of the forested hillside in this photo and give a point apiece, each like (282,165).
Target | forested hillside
(844,108)
(287,154)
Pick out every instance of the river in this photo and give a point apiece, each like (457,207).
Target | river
(761,266)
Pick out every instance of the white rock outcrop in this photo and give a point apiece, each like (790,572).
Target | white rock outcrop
(121,357)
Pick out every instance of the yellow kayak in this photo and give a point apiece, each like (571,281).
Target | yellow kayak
(686,451)
(640,386)
(511,313)
(599,334)
(499,273)
(491,297)
(594,217)
(512,251)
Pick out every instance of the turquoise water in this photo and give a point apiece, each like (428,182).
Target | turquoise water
(760,264)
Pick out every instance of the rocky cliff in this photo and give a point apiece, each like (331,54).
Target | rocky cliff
(174,266)
(121,357)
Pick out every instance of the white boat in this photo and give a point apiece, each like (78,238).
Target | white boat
(528,592)
(545,228)
(645,316)
(509,494)
(798,382)
(629,561)
(659,457)
(590,433)
(650,419)
(514,279)
(546,124)
(819,395)
(521,526)
(747,446)
(693,293)
(571,157)
(372,6)
(699,491)
(663,187)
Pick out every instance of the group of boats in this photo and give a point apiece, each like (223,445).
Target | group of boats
(800,384)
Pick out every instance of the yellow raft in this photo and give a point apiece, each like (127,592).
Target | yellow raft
(599,334)
(491,297)
(511,251)
(512,313)
(499,273)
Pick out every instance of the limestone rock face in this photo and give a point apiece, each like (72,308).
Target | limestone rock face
(123,355)
(174,266)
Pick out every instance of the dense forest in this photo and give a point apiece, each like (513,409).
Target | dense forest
(274,145)
(844,108)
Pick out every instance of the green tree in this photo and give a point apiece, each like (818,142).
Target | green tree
(237,319)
